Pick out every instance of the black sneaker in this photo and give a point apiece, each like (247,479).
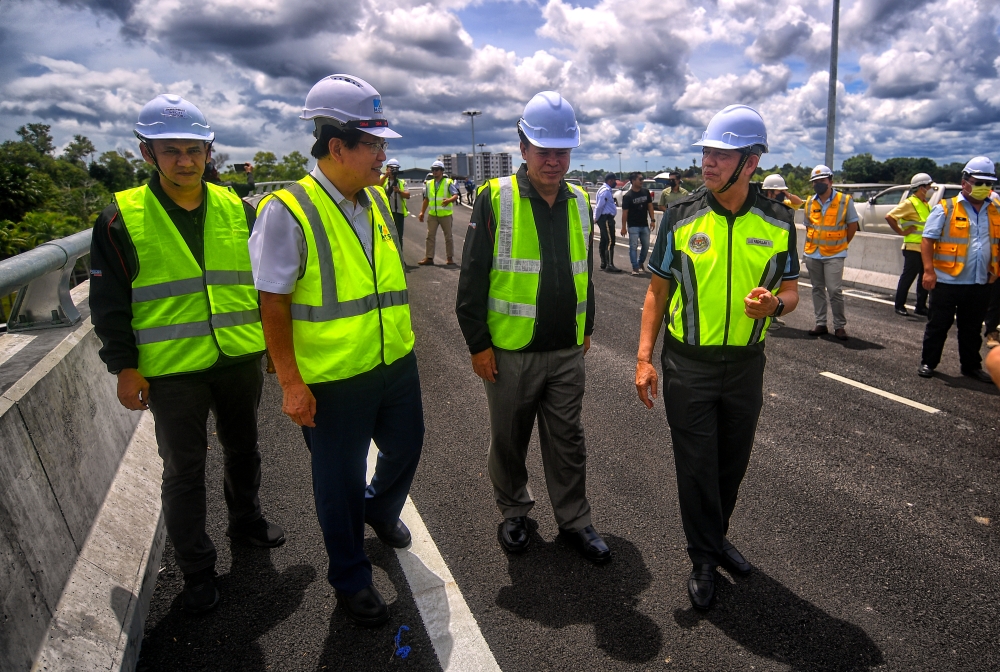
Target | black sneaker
(259,533)
(200,592)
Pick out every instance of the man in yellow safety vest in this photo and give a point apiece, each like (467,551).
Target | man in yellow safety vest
(440,193)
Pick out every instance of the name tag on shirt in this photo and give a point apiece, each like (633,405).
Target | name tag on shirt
(760,241)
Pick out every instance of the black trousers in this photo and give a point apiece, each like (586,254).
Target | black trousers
(606,224)
(398,218)
(180,407)
(913,268)
(992,319)
(712,409)
(968,304)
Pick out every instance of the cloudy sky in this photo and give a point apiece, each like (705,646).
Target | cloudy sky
(917,78)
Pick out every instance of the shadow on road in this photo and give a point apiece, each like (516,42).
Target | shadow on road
(769,620)
(966,383)
(255,597)
(554,586)
(852,343)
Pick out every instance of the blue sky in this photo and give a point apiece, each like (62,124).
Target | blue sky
(645,76)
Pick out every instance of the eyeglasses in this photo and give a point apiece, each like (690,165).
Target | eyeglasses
(375,147)
(982,183)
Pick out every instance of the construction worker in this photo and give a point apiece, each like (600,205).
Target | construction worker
(526,307)
(907,219)
(604,215)
(831,222)
(439,193)
(395,190)
(774,187)
(725,262)
(337,323)
(961,259)
(173,303)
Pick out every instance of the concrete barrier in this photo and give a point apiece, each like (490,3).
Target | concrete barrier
(874,261)
(80,526)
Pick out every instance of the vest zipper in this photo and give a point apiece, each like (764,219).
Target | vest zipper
(729,279)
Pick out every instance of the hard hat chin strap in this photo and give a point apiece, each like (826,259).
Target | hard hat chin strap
(736,173)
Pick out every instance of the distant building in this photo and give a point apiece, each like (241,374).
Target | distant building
(486,165)
(456,165)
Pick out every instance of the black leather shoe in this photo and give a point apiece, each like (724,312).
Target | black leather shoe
(200,593)
(978,374)
(920,311)
(925,371)
(514,535)
(260,533)
(394,534)
(902,311)
(733,560)
(365,607)
(819,330)
(613,269)
(701,586)
(589,543)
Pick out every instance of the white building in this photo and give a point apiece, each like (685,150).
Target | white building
(487,165)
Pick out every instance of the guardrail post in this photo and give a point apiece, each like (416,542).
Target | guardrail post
(44,303)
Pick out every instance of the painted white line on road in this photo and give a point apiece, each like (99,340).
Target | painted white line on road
(11,344)
(458,642)
(855,295)
(881,393)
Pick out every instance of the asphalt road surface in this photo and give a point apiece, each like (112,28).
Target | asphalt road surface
(872,525)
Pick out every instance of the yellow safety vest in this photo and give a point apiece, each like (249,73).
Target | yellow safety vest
(514,282)
(348,314)
(923,211)
(402,201)
(184,316)
(826,232)
(951,250)
(436,194)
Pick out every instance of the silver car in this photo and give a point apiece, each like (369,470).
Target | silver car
(872,214)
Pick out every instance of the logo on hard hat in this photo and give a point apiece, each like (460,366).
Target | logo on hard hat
(699,243)
(174,112)
(377,104)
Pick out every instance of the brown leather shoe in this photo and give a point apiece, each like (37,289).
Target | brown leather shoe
(819,330)
(450,262)
(841,334)
(426,261)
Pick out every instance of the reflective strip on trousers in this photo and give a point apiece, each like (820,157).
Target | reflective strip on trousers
(173,332)
(165,290)
(513,309)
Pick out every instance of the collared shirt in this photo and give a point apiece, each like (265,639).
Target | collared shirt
(605,202)
(977,261)
(278,249)
(852,217)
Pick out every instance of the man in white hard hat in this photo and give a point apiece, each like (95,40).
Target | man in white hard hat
(337,322)
(774,187)
(526,307)
(439,193)
(172,301)
(907,219)
(395,190)
(723,267)
(831,222)
(960,255)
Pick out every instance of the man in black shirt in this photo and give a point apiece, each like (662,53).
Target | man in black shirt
(637,206)
(526,307)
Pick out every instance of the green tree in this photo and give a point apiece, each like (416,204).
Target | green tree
(79,148)
(114,170)
(293,166)
(38,136)
(265,166)
(41,227)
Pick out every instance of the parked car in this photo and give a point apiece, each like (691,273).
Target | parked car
(573,180)
(652,185)
(871,214)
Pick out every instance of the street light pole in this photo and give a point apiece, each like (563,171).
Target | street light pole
(831,103)
(619,165)
(472,114)
(647,166)
(485,171)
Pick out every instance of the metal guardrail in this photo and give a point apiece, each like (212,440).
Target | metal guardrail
(268,187)
(41,279)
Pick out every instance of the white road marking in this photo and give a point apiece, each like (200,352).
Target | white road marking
(458,642)
(855,295)
(11,344)
(881,393)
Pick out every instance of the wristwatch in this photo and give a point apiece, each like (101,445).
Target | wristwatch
(781,307)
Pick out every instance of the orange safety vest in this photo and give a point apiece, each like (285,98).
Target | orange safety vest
(951,250)
(826,232)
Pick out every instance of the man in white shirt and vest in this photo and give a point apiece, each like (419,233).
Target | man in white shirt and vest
(526,308)
(336,316)
(173,302)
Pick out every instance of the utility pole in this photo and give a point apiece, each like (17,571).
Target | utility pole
(831,103)
(619,165)
(486,173)
(647,166)
(472,114)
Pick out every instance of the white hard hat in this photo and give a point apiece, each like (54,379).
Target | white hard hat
(549,121)
(735,127)
(819,172)
(394,163)
(774,182)
(347,101)
(437,164)
(980,168)
(920,179)
(169,117)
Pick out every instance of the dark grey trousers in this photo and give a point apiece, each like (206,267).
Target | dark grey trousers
(180,406)
(549,386)
(712,409)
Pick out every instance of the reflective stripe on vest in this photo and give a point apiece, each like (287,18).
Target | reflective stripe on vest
(435,207)
(514,278)
(348,314)
(182,316)
(923,211)
(715,266)
(827,231)
(951,250)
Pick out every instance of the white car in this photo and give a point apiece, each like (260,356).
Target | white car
(652,185)
(872,214)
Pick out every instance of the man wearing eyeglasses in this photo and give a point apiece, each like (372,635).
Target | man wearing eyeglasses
(336,318)
(959,251)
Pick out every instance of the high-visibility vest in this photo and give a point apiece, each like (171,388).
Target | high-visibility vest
(348,314)
(183,316)
(715,266)
(923,211)
(517,261)
(436,194)
(826,232)
(401,202)
(951,250)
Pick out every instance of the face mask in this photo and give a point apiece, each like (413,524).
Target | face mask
(981,193)
(820,188)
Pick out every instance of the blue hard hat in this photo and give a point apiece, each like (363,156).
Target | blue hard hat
(982,168)
(549,121)
(170,117)
(736,127)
